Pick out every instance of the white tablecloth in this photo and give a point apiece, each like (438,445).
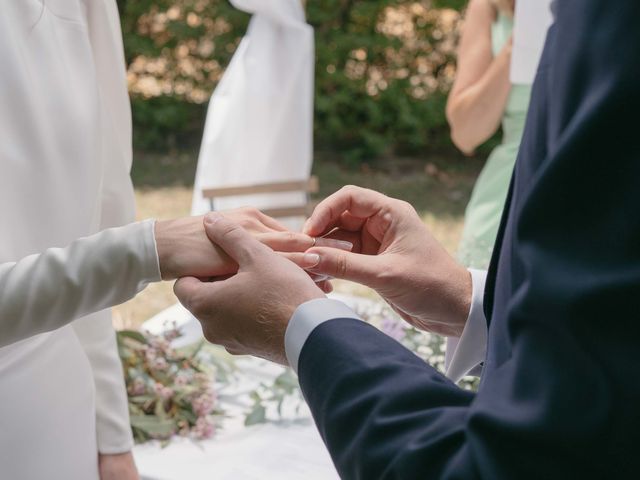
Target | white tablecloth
(279,451)
(287,449)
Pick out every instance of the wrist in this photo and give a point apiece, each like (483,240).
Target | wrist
(166,242)
(459,294)
(465,296)
(119,466)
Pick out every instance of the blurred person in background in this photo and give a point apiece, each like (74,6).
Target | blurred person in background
(483,99)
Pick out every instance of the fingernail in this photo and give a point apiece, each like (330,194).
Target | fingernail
(212,218)
(310,260)
(332,243)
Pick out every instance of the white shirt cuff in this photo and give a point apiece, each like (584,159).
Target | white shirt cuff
(465,354)
(305,319)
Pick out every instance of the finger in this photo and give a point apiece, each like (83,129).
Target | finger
(326,286)
(352,238)
(298,259)
(254,220)
(208,302)
(350,223)
(333,243)
(271,222)
(359,202)
(235,351)
(299,242)
(286,241)
(346,265)
(302,259)
(192,293)
(239,244)
(318,278)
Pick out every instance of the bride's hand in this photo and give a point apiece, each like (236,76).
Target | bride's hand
(185,250)
(117,467)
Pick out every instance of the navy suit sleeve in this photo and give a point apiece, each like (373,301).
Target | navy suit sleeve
(380,410)
(564,402)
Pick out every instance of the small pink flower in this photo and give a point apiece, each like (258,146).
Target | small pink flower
(167,393)
(172,334)
(160,344)
(149,354)
(181,379)
(204,428)
(203,404)
(137,387)
(160,363)
(163,392)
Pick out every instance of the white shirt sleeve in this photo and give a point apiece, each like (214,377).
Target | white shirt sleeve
(465,355)
(306,318)
(42,292)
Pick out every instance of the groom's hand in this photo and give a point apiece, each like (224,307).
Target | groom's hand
(395,254)
(184,249)
(247,313)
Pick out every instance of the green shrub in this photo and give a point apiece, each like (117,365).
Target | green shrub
(166,122)
(383,69)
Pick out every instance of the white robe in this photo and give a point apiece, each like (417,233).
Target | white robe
(65,156)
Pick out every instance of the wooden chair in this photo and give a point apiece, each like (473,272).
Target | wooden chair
(307,187)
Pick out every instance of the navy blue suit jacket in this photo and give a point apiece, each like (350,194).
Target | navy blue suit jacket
(560,393)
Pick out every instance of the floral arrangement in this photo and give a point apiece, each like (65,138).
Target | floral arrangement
(429,347)
(173,391)
(170,391)
(285,387)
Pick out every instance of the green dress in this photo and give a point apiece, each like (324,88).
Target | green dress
(482,216)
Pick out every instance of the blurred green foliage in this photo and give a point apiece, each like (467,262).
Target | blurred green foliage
(383,69)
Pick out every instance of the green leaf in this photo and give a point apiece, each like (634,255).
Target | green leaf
(159,410)
(287,381)
(256,416)
(133,335)
(141,399)
(153,426)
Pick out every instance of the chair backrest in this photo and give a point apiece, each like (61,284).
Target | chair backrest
(312,185)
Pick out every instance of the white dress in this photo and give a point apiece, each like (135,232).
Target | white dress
(65,155)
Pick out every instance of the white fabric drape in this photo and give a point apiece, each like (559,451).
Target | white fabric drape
(259,124)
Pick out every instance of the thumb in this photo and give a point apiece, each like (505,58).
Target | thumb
(346,265)
(239,244)
(192,292)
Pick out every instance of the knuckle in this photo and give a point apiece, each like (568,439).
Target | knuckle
(350,189)
(252,212)
(390,274)
(291,237)
(230,230)
(341,266)
(403,205)
(196,305)
(209,334)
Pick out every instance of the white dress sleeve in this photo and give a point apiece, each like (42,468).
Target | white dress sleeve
(97,337)
(42,292)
